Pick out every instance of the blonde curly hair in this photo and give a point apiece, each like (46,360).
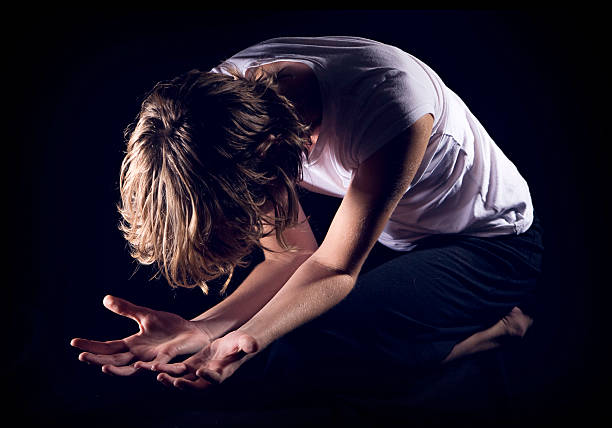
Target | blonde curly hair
(208,156)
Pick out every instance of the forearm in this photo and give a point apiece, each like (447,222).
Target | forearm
(312,290)
(256,290)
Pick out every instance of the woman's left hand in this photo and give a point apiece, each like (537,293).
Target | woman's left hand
(212,365)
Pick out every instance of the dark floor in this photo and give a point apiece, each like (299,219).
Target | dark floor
(483,390)
(475,391)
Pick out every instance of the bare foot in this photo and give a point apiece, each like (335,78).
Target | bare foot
(514,325)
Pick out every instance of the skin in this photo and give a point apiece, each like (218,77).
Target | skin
(161,337)
(288,289)
(328,275)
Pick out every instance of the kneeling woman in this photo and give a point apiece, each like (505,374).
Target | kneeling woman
(212,171)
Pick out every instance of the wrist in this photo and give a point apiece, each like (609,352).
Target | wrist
(215,326)
(261,336)
(203,327)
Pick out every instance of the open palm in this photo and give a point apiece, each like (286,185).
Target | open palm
(161,337)
(212,365)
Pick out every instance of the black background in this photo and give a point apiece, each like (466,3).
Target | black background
(73,82)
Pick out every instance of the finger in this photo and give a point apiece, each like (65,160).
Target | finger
(185,383)
(168,380)
(172,369)
(151,365)
(115,359)
(124,308)
(119,370)
(210,376)
(96,347)
(165,379)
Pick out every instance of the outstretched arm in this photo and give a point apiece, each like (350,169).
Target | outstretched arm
(329,274)
(163,335)
(263,282)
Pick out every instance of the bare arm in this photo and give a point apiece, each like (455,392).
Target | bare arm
(262,283)
(330,273)
(163,335)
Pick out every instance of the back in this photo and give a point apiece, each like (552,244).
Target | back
(371,92)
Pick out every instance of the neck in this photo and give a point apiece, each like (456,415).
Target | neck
(299,84)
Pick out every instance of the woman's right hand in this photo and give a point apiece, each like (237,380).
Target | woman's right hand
(162,337)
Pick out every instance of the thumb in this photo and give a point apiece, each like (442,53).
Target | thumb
(247,344)
(123,307)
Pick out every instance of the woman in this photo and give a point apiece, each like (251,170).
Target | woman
(211,173)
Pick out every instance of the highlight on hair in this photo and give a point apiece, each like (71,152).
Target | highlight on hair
(208,156)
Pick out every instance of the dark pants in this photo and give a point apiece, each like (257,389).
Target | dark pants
(406,313)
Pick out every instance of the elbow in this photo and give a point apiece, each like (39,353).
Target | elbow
(336,266)
(300,255)
(332,269)
(294,257)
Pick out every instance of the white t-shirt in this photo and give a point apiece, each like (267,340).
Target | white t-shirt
(371,92)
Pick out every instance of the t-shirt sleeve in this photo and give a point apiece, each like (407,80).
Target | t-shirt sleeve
(391,107)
